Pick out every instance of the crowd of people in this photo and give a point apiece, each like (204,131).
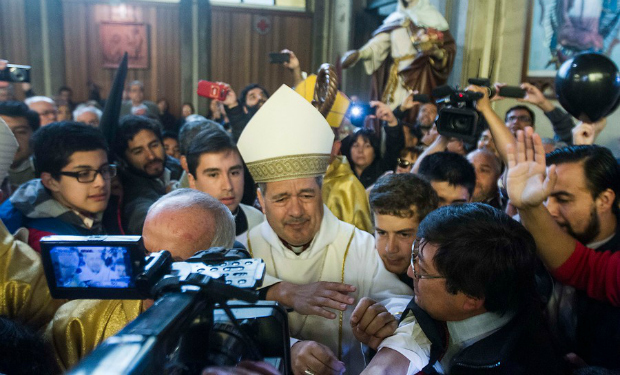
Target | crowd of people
(396,249)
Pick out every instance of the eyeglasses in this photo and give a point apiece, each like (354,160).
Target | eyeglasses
(520,118)
(49,112)
(415,251)
(404,163)
(89,175)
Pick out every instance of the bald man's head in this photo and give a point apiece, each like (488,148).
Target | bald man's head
(186,221)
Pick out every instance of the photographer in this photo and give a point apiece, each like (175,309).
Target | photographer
(240,111)
(182,222)
(502,136)
(362,148)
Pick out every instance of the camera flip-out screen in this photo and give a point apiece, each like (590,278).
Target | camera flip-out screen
(92,266)
(104,266)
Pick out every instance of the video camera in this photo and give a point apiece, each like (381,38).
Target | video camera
(191,324)
(459,117)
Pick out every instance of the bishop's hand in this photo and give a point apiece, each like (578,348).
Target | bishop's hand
(313,299)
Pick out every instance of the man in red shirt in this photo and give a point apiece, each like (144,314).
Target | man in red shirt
(582,205)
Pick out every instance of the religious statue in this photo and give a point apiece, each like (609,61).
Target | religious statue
(412,50)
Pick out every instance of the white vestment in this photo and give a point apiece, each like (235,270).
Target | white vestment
(323,261)
(253,216)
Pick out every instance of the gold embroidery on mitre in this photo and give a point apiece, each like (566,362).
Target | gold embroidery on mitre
(289,167)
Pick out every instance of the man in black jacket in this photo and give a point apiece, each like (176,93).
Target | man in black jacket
(147,172)
(475,308)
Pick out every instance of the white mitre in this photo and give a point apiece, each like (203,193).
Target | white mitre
(8,148)
(286,139)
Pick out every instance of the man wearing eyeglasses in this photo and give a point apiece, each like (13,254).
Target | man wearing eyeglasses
(74,189)
(518,117)
(475,307)
(45,107)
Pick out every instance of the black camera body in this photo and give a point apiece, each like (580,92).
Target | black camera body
(191,325)
(15,73)
(459,117)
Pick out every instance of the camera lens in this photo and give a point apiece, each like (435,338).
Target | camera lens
(459,124)
(17,74)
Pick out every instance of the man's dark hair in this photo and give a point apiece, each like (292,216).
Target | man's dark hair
(54,144)
(449,167)
(523,107)
(483,253)
(247,89)
(599,166)
(394,195)
(169,134)
(13,108)
(64,88)
(131,125)
(206,142)
(189,130)
(411,150)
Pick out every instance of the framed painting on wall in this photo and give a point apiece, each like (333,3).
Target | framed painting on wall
(557,30)
(118,37)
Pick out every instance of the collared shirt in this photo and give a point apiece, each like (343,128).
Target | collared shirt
(411,342)
(89,221)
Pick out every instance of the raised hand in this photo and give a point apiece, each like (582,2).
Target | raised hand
(535,96)
(231,97)
(585,133)
(408,102)
(293,62)
(484,102)
(384,113)
(527,184)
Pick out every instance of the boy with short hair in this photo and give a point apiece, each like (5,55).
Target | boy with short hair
(73,190)
(399,202)
(215,167)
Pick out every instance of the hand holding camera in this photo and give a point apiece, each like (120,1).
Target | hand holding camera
(384,113)
(14,73)
(213,90)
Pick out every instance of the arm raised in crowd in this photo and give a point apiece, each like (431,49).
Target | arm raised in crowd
(236,114)
(528,187)
(293,66)
(585,133)
(501,133)
(440,144)
(561,121)
(598,273)
(395,139)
